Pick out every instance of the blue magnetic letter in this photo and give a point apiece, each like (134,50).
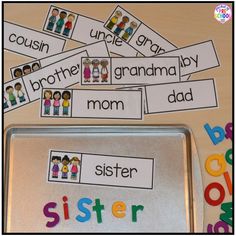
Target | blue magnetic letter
(84,210)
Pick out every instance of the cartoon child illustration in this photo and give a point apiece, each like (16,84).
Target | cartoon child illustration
(95,71)
(19,92)
(66,102)
(114,20)
(55,168)
(11,96)
(60,22)
(65,161)
(35,66)
(26,69)
(52,19)
(104,70)
(56,103)
(68,25)
(121,25)
(5,104)
(47,101)
(129,31)
(74,169)
(18,73)
(87,71)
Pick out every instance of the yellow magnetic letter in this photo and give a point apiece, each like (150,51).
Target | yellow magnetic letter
(118,209)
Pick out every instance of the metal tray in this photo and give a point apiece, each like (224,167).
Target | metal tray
(175,204)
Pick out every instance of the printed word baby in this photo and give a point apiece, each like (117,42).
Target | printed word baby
(118,210)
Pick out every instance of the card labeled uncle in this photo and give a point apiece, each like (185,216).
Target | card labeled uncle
(102,179)
(89,103)
(29,42)
(93,49)
(69,25)
(27,89)
(129,70)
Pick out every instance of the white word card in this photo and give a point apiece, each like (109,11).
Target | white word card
(181,96)
(196,58)
(29,42)
(70,25)
(98,169)
(88,103)
(135,33)
(129,70)
(61,74)
(94,49)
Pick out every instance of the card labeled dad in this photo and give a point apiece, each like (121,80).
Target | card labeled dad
(29,42)
(99,169)
(61,74)
(126,71)
(97,104)
(181,96)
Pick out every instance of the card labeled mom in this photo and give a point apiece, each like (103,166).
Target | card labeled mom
(91,104)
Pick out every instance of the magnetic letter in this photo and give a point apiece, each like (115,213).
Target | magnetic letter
(49,214)
(98,208)
(83,209)
(220,161)
(227,216)
(134,211)
(118,209)
(221,190)
(212,131)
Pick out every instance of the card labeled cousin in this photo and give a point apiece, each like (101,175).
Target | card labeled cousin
(97,104)
(94,49)
(181,96)
(29,42)
(138,35)
(195,58)
(70,25)
(98,169)
(61,74)
(129,70)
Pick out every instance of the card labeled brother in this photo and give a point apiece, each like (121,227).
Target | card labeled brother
(75,179)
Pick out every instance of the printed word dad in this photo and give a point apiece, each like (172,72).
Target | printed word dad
(118,210)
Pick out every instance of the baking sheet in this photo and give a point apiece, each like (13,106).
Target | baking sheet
(173,205)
